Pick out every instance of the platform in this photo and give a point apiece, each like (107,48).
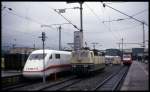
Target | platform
(10,73)
(137,77)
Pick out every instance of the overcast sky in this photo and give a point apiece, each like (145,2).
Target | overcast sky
(24,21)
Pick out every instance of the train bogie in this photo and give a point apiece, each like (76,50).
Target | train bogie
(127,62)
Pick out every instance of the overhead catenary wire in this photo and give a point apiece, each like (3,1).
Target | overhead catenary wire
(131,17)
(93,11)
(131,27)
(101,22)
(67,19)
(123,13)
(142,22)
(25,17)
(120,19)
(61,16)
(139,12)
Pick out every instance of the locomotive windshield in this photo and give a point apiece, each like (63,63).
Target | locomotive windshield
(126,56)
(36,56)
(81,54)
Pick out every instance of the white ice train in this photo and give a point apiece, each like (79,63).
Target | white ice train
(55,61)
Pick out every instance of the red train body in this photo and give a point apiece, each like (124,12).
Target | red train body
(127,59)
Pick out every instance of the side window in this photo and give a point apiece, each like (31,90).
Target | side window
(57,56)
(50,57)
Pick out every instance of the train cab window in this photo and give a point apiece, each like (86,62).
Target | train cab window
(57,56)
(84,54)
(36,56)
(126,56)
(50,57)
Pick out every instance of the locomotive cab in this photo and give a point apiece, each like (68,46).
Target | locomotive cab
(127,58)
(85,61)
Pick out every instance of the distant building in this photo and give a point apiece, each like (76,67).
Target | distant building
(127,50)
(113,52)
(21,50)
(139,52)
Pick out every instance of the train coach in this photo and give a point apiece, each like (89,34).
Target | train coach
(86,61)
(112,60)
(55,61)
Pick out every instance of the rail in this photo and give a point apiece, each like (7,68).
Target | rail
(113,81)
(21,83)
(9,80)
(58,83)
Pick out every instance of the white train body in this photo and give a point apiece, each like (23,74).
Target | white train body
(112,59)
(55,61)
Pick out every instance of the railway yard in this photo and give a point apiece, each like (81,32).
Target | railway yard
(104,52)
(110,79)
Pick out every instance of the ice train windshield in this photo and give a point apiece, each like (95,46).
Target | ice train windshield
(36,56)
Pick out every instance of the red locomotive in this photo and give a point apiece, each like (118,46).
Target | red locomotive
(127,58)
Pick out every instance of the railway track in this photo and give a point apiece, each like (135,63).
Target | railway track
(15,86)
(35,86)
(74,82)
(62,85)
(112,82)
(67,84)
(90,82)
(18,85)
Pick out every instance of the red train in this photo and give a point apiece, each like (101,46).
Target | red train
(127,58)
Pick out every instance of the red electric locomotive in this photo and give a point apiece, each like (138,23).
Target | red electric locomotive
(127,58)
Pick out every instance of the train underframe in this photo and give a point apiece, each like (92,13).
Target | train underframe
(86,69)
(129,62)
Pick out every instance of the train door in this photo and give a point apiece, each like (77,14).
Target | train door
(50,59)
(57,61)
(48,63)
